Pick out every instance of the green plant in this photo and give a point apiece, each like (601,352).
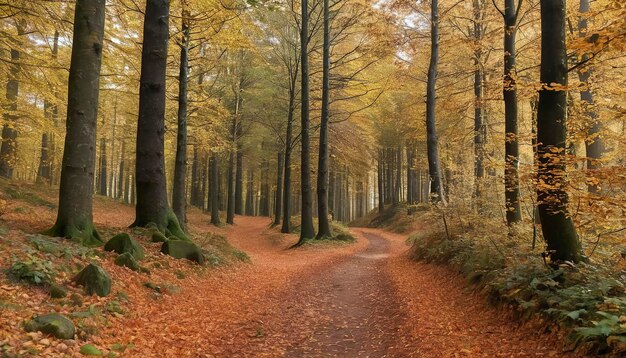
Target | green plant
(33,270)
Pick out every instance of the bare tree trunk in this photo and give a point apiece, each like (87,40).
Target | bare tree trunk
(75,218)
(44,172)
(179,197)
(279,187)
(152,205)
(434,168)
(557,226)
(239,183)
(511,171)
(479,113)
(214,189)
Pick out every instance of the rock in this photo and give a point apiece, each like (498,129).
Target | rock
(90,350)
(95,280)
(123,243)
(158,236)
(127,260)
(53,323)
(180,249)
(57,291)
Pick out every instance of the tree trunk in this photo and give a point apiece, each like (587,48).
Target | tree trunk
(214,189)
(511,147)
(279,188)
(121,173)
(479,113)
(75,219)
(286,227)
(397,190)
(594,144)
(381,199)
(324,229)
(152,205)
(179,197)
(250,193)
(102,175)
(239,183)
(307,231)
(434,168)
(44,172)
(557,226)
(8,149)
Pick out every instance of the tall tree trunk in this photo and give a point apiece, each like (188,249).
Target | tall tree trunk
(594,143)
(250,193)
(239,183)
(195,181)
(102,175)
(152,205)
(511,147)
(324,229)
(74,218)
(479,112)
(398,187)
(8,149)
(279,187)
(44,171)
(381,194)
(179,197)
(121,173)
(307,231)
(214,189)
(557,226)
(434,168)
(286,227)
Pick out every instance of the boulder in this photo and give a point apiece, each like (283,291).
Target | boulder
(183,250)
(54,324)
(95,280)
(57,291)
(123,243)
(127,260)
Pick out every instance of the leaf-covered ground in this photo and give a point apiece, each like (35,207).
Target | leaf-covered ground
(346,300)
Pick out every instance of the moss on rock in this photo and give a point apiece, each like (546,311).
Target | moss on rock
(123,243)
(127,260)
(95,280)
(181,249)
(54,324)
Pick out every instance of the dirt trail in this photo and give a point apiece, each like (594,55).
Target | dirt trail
(361,300)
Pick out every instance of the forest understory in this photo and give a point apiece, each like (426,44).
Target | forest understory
(366,298)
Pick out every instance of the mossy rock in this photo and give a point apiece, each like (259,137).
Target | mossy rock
(123,243)
(57,291)
(158,236)
(95,280)
(127,260)
(181,249)
(54,324)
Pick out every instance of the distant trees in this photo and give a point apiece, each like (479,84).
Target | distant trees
(74,217)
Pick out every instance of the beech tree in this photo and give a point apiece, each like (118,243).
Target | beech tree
(556,223)
(152,206)
(74,217)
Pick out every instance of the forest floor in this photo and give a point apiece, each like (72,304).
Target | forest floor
(323,300)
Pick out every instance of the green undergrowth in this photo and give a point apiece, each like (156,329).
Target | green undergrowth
(218,251)
(25,194)
(587,302)
(341,236)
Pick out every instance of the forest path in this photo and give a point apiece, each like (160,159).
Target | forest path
(361,300)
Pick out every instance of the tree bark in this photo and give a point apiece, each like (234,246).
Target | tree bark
(511,146)
(307,231)
(179,197)
(102,173)
(44,171)
(214,189)
(324,229)
(152,205)
(239,183)
(434,168)
(479,112)
(74,217)
(8,149)
(556,223)
(381,194)
(279,187)
(121,173)
(594,143)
